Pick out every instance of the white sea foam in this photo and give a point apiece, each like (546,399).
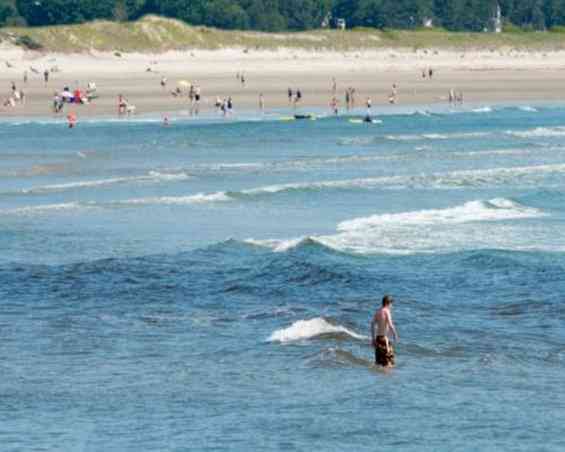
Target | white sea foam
(527,108)
(438,136)
(42,208)
(454,179)
(404,137)
(482,110)
(495,152)
(355,141)
(309,329)
(493,210)
(252,166)
(558,131)
(158,176)
(75,185)
(199,198)
(152,176)
(475,224)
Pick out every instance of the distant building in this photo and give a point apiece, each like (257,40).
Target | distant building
(340,24)
(427,22)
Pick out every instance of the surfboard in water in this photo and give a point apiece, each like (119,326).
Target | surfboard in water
(304,116)
(364,121)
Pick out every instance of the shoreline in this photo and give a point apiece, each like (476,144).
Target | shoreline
(482,76)
(282,114)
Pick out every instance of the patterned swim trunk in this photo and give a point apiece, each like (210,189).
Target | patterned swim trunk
(384,353)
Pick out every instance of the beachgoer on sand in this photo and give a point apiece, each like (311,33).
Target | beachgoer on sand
(333,105)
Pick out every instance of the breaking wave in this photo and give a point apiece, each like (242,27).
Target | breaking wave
(475,224)
(312,329)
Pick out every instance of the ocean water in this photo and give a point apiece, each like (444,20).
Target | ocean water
(209,285)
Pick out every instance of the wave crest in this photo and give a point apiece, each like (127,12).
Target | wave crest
(432,230)
(312,329)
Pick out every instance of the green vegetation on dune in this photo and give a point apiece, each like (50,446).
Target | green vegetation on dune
(157,34)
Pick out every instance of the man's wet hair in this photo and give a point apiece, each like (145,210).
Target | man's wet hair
(387,300)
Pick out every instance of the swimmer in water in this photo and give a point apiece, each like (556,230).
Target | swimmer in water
(71,120)
(381,327)
(368,117)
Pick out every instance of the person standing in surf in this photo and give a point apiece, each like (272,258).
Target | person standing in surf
(384,353)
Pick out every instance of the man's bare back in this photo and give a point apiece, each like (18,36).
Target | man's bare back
(382,320)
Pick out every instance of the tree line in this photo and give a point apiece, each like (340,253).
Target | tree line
(280,15)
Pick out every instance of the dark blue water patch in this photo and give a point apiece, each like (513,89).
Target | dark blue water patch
(237,272)
(548,200)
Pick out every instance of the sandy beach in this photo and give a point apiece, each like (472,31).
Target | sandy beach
(483,76)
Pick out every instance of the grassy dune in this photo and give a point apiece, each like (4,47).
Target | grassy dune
(157,34)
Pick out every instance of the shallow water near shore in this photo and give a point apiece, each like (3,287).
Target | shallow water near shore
(208,285)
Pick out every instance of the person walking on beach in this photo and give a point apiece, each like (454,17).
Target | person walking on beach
(195,104)
(261,102)
(298,97)
(46,76)
(381,326)
(290,94)
(393,94)
(122,105)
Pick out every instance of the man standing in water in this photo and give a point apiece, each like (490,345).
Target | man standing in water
(384,353)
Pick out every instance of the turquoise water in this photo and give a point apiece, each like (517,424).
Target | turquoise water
(208,285)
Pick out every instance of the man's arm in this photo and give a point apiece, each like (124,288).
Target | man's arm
(391,326)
